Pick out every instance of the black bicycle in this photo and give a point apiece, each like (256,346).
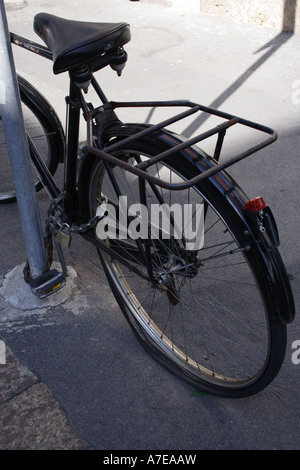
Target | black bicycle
(193,263)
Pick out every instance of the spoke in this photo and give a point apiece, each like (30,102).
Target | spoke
(199,310)
(221,255)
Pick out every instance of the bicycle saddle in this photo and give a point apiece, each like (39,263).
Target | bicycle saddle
(75,43)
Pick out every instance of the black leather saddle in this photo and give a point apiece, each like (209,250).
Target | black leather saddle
(75,43)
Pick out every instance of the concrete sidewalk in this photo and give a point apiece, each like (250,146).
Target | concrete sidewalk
(75,377)
(30,417)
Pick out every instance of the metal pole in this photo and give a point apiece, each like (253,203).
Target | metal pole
(12,119)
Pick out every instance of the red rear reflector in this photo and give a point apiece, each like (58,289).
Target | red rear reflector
(255,204)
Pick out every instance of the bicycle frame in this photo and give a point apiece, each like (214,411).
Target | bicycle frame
(72,136)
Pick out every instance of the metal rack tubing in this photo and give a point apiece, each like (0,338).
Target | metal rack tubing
(220,130)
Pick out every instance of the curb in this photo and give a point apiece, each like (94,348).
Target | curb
(30,416)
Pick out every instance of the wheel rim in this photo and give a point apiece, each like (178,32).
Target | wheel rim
(218,332)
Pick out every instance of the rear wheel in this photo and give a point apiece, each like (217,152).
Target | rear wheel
(203,313)
(43,127)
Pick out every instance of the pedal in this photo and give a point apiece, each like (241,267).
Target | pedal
(47,283)
(63,239)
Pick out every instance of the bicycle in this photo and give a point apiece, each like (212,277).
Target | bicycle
(215,314)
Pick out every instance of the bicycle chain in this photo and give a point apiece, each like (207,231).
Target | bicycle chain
(53,225)
(58,224)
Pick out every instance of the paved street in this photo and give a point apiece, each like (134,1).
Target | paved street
(79,379)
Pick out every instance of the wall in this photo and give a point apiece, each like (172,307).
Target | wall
(277,14)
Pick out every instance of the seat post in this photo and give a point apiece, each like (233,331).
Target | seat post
(72,137)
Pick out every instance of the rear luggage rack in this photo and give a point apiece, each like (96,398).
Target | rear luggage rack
(140,169)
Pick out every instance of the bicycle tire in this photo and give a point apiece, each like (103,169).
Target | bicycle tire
(235,305)
(44,127)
